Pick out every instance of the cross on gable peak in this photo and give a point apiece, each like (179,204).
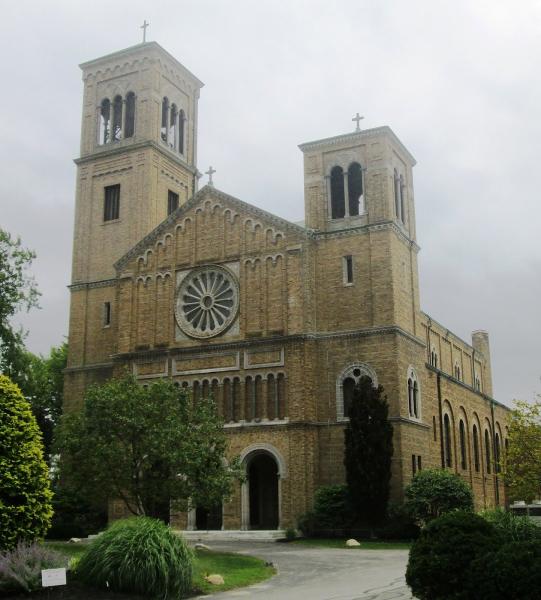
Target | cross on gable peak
(357,118)
(210,173)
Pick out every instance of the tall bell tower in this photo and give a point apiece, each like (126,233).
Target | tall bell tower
(138,163)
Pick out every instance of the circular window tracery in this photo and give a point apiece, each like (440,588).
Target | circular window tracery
(207,301)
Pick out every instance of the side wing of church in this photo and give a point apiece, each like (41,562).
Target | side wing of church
(277,321)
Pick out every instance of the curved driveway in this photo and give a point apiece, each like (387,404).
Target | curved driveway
(312,573)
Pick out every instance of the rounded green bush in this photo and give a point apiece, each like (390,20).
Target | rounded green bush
(439,560)
(512,572)
(140,555)
(433,492)
(25,498)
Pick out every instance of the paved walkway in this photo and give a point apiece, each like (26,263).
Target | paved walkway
(311,573)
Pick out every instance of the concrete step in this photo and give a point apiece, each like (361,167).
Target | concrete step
(233,535)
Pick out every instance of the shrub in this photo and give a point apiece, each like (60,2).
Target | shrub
(399,524)
(512,572)
(331,510)
(140,555)
(20,567)
(433,492)
(25,502)
(513,528)
(291,534)
(439,560)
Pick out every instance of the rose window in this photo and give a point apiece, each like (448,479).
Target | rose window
(207,301)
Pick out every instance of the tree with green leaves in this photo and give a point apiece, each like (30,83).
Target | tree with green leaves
(25,495)
(42,384)
(434,492)
(17,291)
(522,462)
(150,446)
(368,452)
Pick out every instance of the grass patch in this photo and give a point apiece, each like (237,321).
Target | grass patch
(365,544)
(237,570)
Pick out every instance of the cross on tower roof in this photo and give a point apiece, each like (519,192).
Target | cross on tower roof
(358,119)
(144,28)
(210,172)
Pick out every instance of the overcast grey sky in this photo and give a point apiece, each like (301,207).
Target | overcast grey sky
(459,83)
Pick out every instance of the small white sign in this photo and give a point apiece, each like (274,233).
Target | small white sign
(50,577)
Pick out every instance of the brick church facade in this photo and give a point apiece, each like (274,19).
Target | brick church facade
(276,320)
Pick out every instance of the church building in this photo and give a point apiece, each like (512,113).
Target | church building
(276,320)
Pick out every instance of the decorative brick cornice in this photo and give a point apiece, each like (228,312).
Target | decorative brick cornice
(384,225)
(76,287)
(357,136)
(94,367)
(286,339)
(203,194)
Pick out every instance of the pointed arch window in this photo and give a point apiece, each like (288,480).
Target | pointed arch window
(104,121)
(117,119)
(165,119)
(129,119)
(414,405)
(476,457)
(488,452)
(447,441)
(181,122)
(497,453)
(355,189)
(338,200)
(463,454)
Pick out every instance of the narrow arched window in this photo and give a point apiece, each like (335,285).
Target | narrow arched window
(272,397)
(129,119)
(396,181)
(349,388)
(410,396)
(117,118)
(402,202)
(447,441)
(249,395)
(338,201)
(281,396)
(416,399)
(173,117)
(462,434)
(105,121)
(488,452)
(228,400)
(181,122)
(215,394)
(355,189)
(476,457)
(258,393)
(236,398)
(165,119)
(205,389)
(196,392)
(497,466)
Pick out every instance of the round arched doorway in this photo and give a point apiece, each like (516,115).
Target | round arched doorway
(263,500)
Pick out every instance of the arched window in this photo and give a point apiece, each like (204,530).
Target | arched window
(215,393)
(205,389)
(338,201)
(497,451)
(165,119)
(447,441)
(463,455)
(414,406)
(281,381)
(235,401)
(477,382)
(396,182)
(476,457)
(488,452)
(457,371)
(355,189)
(228,400)
(181,121)
(117,118)
(433,357)
(105,118)
(258,391)
(272,397)
(402,203)
(249,395)
(196,392)
(349,390)
(345,384)
(173,116)
(129,119)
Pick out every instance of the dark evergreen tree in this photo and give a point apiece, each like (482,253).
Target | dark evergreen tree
(368,452)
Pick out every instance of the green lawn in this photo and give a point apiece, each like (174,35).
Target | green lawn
(237,570)
(365,544)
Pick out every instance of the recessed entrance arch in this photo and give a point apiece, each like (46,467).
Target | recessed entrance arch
(261,492)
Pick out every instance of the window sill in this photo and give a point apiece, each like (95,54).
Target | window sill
(111,221)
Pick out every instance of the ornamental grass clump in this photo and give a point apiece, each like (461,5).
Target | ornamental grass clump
(140,555)
(20,567)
